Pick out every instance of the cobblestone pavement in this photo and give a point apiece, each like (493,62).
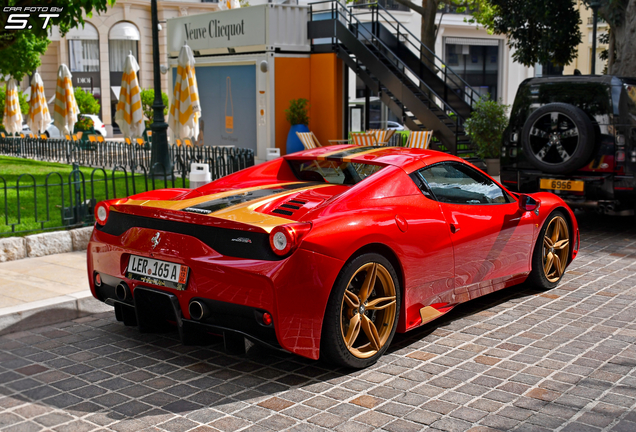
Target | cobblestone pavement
(515,360)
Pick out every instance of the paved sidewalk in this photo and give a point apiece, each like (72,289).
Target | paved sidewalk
(45,290)
(34,279)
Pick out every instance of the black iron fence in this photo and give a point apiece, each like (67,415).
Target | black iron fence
(66,198)
(222,160)
(61,200)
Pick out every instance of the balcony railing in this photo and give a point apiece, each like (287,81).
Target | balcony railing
(590,21)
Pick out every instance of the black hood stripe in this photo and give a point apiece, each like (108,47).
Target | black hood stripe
(337,157)
(228,201)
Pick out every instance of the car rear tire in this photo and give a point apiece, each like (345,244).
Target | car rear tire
(558,138)
(551,252)
(362,312)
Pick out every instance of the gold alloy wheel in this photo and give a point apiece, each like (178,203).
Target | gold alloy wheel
(368,304)
(556,247)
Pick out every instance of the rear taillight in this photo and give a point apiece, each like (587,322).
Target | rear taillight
(620,140)
(620,156)
(102,209)
(285,238)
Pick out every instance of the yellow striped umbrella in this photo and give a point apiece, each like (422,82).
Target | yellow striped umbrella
(12,119)
(39,117)
(66,110)
(129,115)
(229,4)
(185,110)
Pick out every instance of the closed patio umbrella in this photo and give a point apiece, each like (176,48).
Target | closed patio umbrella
(129,115)
(12,119)
(39,117)
(185,110)
(66,110)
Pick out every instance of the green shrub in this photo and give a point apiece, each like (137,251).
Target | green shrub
(86,102)
(485,127)
(298,112)
(147,99)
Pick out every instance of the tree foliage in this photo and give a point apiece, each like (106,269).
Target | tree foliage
(21,49)
(86,102)
(539,32)
(148,99)
(23,56)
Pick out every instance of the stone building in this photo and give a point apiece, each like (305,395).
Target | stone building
(96,53)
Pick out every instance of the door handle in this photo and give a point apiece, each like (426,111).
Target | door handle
(454,228)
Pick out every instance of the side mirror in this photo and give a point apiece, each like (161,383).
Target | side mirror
(527,203)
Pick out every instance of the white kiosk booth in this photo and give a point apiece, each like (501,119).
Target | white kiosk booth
(250,63)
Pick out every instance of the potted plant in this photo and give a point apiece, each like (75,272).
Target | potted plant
(298,118)
(86,125)
(485,129)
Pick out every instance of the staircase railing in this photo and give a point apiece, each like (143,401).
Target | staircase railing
(379,15)
(341,13)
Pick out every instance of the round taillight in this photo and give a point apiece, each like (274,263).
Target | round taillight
(267,318)
(102,209)
(285,238)
(279,241)
(102,214)
(98,280)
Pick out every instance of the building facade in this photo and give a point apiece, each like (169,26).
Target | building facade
(96,53)
(583,61)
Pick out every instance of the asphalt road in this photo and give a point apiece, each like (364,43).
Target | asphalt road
(515,360)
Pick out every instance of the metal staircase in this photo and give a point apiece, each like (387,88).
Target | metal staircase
(414,83)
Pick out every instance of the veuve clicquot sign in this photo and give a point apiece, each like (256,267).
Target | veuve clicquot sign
(215,29)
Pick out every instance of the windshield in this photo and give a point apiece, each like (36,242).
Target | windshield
(336,172)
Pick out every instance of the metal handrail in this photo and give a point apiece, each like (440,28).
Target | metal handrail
(462,84)
(400,63)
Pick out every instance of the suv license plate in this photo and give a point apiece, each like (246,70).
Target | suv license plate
(156,272)
(565,185)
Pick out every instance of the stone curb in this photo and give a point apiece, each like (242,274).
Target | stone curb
(50,311)
(37,245)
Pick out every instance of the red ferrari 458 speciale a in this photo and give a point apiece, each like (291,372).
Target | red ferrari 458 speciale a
(325,253)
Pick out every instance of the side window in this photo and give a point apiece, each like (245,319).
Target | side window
(457,183)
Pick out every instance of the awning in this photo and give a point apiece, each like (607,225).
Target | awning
(472,41)
(115,90)
(124,31)
(89,32)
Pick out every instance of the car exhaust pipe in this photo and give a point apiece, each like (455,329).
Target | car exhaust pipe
(122,292)
(198,311)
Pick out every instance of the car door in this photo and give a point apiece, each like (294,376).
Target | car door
(492,237)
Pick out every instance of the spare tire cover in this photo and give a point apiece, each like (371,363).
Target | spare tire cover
(558,138)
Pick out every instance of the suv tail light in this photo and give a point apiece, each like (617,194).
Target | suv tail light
(620,156)
(285,238)
(102,209)
(620,140)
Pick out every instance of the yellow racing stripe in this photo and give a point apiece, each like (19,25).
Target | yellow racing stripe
(181,204)
(244,213)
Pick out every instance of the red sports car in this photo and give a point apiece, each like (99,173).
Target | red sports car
(325,253)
